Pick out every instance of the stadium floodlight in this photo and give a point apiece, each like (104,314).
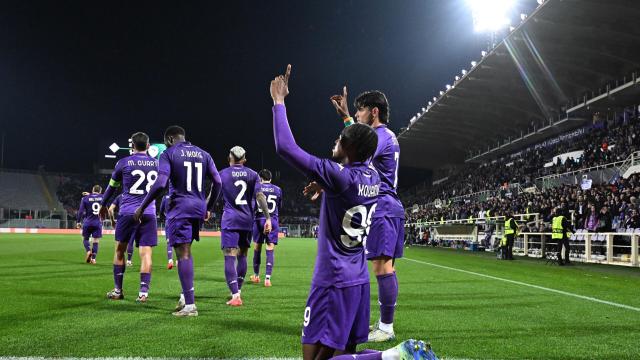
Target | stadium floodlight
(430,103)
(483,53)
(464,71)
(435,98)
(523,17)
(490,15)
(441,92)
(540,2)
(474,63)
(511,28)
(423,109)
(457,78)
(448,87)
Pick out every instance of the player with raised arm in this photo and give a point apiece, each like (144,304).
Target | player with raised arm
(274,200)
(89,220)
(136,174)
(386,242)
(336,316)
(185,167)
(163,214)
(240,191)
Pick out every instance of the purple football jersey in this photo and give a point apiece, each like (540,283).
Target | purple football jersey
(387,161)
(116,202)
(240,185)
(187,166)
(349,201)
(137,173)
(89,211)
(274,199)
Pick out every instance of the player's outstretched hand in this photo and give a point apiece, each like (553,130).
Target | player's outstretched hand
(207,216)
(137,215)
(312,191)
(280,86)
(78,225)
(267,226)
(340,103)
(104,212)
(85,193)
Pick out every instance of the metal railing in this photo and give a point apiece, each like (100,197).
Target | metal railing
(584,247)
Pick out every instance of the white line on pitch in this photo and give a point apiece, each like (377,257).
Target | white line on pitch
(529,285)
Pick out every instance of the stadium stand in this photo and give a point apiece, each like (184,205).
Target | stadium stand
(544,119)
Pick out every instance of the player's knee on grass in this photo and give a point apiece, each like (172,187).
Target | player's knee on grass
(382,265)
(183,251)
(230,251)
(145,258)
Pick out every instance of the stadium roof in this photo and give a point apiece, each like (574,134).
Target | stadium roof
(554,70)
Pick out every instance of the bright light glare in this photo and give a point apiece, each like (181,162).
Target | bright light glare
(490,15)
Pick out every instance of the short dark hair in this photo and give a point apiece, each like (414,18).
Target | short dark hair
(140,141)
(265,174)
(174,130)
(359,141)
(373,99)
(96,188)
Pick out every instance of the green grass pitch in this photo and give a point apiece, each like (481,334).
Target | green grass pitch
(54,305)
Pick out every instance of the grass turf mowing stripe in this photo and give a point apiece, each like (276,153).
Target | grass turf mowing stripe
(529,285)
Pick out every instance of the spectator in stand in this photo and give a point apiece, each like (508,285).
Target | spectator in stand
(632,221)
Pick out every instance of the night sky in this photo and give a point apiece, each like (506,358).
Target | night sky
(76,76)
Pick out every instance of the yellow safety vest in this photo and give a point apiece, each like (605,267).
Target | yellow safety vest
(441,220)
(470,220)
(557,231)
(508,230)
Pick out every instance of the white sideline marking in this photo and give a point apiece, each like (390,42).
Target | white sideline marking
(530,285)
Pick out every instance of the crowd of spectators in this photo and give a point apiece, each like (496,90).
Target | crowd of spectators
(603,142)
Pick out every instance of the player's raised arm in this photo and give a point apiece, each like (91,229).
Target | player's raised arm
(342,107)
(286,145)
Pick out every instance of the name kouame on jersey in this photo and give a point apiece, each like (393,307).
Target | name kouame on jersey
(187,167)
(89,212)
(386,160)
(240,185)
(348,204)
(273,194)
(137,173)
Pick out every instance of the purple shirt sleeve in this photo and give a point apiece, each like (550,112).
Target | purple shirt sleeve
(216,186)
(164,170)
(116,178)
(80,214)
(326,172)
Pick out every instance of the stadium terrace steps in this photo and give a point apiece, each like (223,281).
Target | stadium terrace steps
(20,190)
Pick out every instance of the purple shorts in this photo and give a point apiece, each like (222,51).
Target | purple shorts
(92,230)
(235,238)
(183,230)
(386,238)
(337,317)
(258,232)
(144,233)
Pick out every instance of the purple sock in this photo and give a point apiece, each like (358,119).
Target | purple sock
(145,281)
(129,250)
(229,273)
(363,355)
(118,275)
(85,242)
(269,262)
(387,296)
(94,250)
(241,269)
(256,261)
(185,272)
(169,252)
